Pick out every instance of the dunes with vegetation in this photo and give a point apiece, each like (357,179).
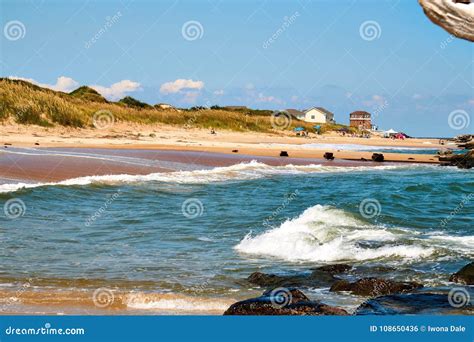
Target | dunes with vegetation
(25,103)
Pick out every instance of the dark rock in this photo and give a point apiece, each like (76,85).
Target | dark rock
(334,269)
(328,156)
(378,157)
(316,279)
(294,302)
(283,154)
(465,275)
(462,161)
(295,295)
(422,303)
(235,151)
(374,287)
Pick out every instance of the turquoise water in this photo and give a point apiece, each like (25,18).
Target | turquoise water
(204,232)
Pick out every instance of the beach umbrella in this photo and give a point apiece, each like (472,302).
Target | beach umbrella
(298,129)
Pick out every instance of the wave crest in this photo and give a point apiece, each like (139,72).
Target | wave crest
(241,171)
(326,234)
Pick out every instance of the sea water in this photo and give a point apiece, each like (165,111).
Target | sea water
(203,232)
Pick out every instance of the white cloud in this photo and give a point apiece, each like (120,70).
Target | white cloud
(416,97)
(219,92)
(117,90)
(270,99)
(63,83)
(179,85)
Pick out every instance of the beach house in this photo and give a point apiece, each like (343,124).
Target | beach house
(314,115)
(360,119)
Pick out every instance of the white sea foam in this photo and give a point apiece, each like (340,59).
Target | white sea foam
(325,234)
(176,303)
(242,171)
(353,147)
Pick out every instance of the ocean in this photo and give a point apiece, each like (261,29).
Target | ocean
(185,241)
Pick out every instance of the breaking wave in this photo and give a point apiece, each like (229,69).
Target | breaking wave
(326,234)
(242,171)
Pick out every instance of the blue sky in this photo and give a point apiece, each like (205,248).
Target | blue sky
(408,72)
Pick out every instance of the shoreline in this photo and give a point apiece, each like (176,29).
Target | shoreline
(198,148)
(60,164)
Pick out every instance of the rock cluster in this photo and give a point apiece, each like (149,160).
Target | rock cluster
(387,297)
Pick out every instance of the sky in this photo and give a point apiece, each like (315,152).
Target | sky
(385,57)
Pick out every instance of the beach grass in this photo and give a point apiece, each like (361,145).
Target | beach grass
(25,103)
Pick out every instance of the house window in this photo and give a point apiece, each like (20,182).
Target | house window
(312,117)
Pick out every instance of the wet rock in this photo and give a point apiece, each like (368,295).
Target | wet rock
(378,157)
(283,302)
(462,161)
(328,156)
(372,287)
(334,269)
(465,275)
(414,303)
(317,278)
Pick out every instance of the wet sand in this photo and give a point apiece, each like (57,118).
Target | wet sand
(56,164)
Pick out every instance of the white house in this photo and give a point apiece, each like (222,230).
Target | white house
(163,106)
(314,115)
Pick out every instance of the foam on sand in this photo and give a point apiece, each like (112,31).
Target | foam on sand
(241,171)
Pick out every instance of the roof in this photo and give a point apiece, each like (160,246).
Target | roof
(360,112)
(235,107)
(294,112)
(328,114)
(391,131)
